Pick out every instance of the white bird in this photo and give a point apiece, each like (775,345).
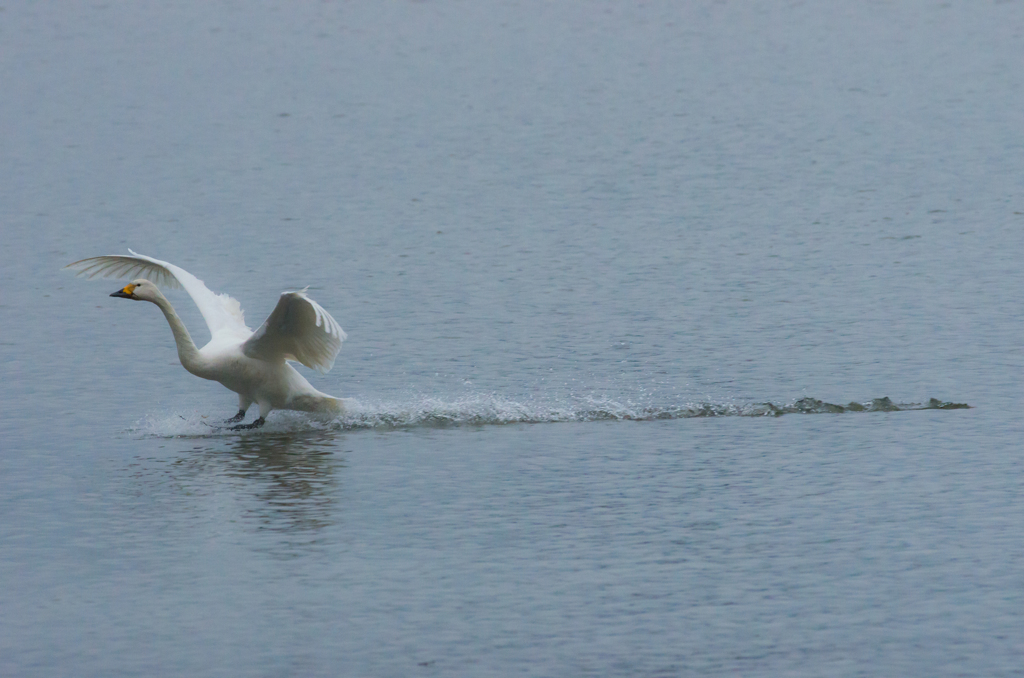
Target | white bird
(252,364)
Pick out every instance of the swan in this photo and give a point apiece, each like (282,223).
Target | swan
(252,364)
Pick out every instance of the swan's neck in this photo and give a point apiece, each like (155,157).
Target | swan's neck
(188,354)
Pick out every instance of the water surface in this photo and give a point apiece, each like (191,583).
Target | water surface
(656,318)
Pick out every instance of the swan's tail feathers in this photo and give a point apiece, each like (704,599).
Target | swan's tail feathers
(318,404)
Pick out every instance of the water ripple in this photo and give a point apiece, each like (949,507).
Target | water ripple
(493,410)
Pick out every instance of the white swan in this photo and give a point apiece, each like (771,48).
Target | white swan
(252,364)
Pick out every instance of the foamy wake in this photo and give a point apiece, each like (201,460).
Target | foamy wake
(493,410)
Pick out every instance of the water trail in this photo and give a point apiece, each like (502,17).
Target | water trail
(494,410)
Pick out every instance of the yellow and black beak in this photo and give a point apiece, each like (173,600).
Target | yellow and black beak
(127,293)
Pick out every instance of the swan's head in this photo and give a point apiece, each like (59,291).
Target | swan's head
(139,290)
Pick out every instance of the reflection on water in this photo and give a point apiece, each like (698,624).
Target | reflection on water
(286,483)
(293,478)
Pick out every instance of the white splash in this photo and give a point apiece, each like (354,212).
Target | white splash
(496,410)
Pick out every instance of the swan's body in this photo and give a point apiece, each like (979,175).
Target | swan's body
(252,364)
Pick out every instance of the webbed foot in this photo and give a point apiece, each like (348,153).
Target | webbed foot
(238,417)
(243,427)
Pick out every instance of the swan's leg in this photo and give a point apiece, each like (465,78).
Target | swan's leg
(264,411)
(243,405)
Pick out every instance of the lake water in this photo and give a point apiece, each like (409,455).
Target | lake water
(585,254)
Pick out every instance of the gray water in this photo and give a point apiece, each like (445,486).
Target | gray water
(586,256)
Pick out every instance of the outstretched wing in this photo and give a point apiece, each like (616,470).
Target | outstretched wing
(298,329)
(220,311)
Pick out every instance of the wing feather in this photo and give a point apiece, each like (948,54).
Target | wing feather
(297,329)
(221,312)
